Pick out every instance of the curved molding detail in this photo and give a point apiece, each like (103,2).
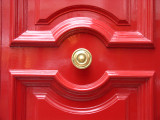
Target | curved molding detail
(142,37)
(55,75)
(87,110)
(141,80)
(91,8)
(64,30)
(74,91)
(54,37)
(65,88)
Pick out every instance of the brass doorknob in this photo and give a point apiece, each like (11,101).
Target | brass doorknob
(81,58)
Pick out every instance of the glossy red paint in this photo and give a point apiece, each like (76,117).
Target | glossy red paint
(39,81)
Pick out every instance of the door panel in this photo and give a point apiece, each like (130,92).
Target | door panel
(39,80)
(127,27)
(129,94)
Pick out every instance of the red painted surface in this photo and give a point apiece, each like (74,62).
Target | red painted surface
(39,81)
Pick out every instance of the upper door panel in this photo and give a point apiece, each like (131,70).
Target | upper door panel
(124,23)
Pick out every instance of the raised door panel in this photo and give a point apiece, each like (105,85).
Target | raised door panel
(45,94)
(127,23)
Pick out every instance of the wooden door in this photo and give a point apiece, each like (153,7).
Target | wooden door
(39,79)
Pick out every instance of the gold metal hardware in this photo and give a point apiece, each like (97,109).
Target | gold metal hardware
(81,58)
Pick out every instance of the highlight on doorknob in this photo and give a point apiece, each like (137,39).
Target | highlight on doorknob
(81,58)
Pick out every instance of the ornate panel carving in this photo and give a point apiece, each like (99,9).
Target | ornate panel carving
(49,89)
(29,15)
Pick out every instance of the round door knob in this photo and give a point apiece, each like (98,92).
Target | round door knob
(81,58)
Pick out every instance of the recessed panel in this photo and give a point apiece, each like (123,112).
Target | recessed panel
(45,94)
(130,21)
(119,8)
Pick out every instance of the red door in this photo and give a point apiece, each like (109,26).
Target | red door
(80,60)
